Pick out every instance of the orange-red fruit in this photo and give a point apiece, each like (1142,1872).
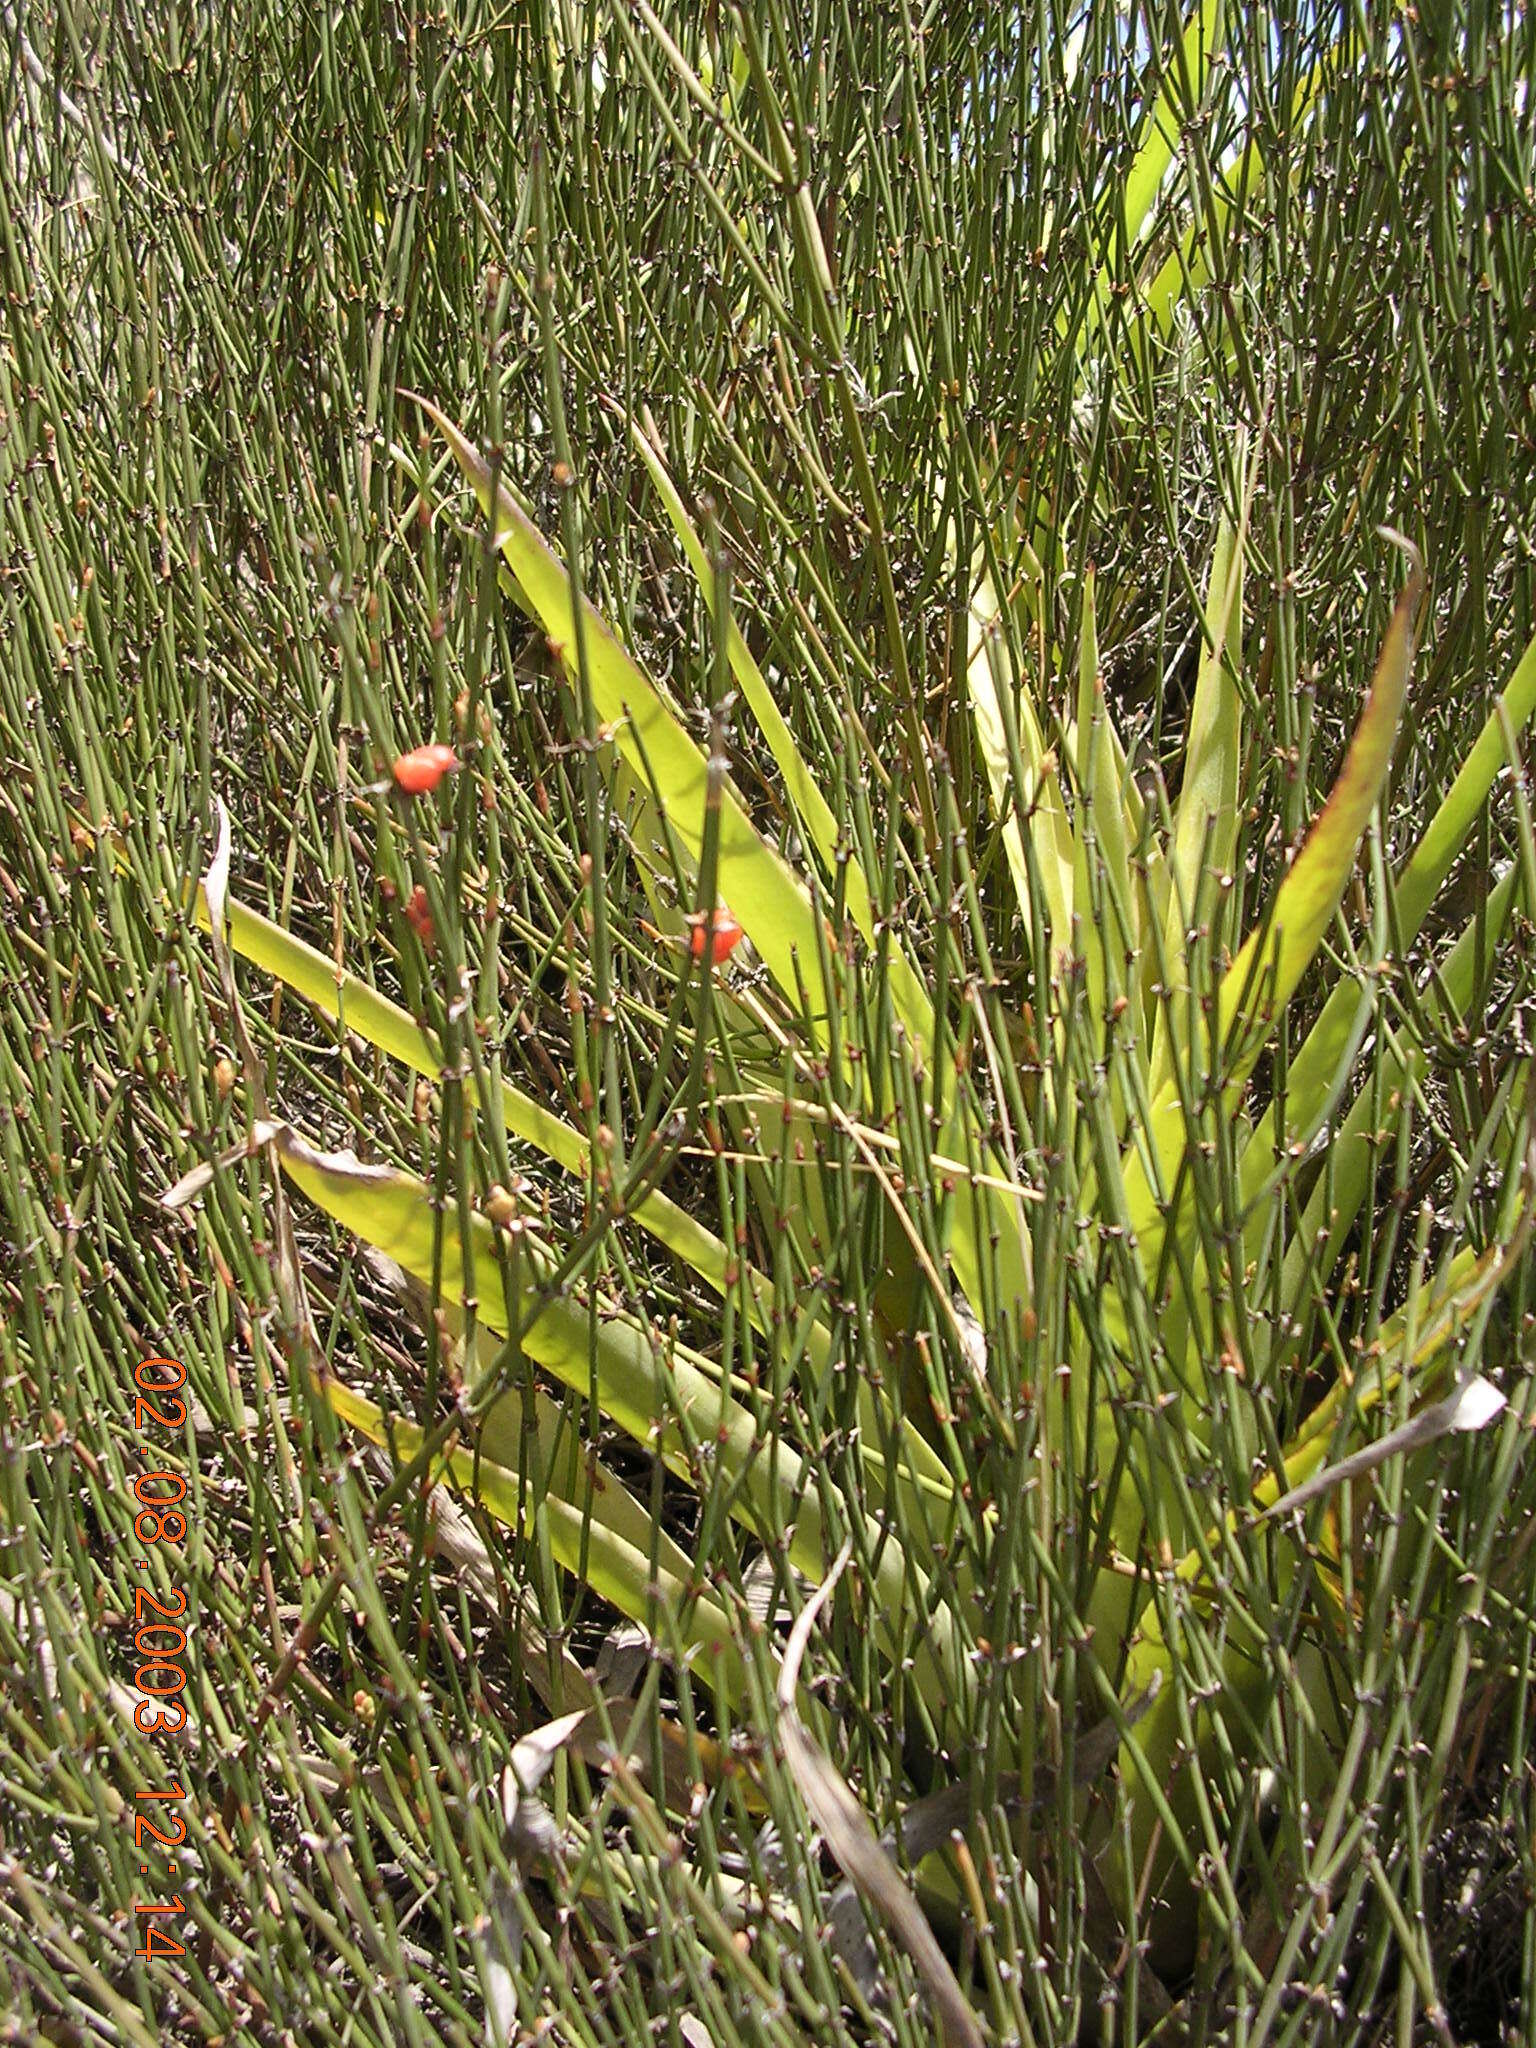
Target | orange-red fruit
(719,939)
(423,768)
(420,916)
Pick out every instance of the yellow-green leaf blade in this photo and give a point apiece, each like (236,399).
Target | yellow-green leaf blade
(601,1535)
(1021,770)
(1160,141)
(1205,831)
(1271,963)
(772,906)
(1266,972)
(647,1387)
(804,793)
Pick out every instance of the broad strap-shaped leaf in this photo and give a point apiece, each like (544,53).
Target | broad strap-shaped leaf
(1205,830)
(1188,268)
(1471,1405)
(1021,770)
(1267,970)
(350,1002)
(1202,34)
(1440,1318)
(1103,891)
(1447,1308)
(1314,1066)
(534,1438)
(1336,1201)
(1436,853)
(1337,1196)
(1088,747)
(772,906)
(812,808)
(604,1538)
(807,1219)
(395,1213)
(646,1385)
(1418,1348)
(1106,790)
(768,899)
(1160,140)
(730,88)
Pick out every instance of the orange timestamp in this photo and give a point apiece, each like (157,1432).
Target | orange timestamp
(161,1630)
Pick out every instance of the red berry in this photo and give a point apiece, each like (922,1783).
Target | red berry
(423,768)
(720,939)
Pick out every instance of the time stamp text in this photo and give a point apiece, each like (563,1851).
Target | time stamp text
(161,1629)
